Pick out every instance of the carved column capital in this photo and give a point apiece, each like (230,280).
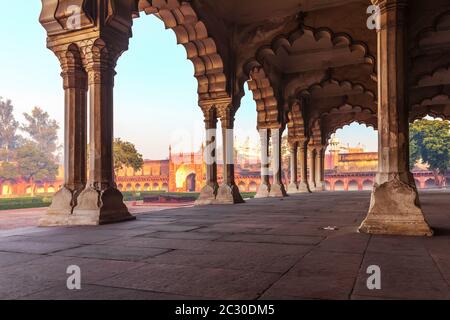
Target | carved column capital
(73,73)
(226,113)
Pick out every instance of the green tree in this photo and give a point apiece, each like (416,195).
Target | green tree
(126,155)
(42,129)
(8,172)
(414,152)
(430,141)
(35,164)
(8,130)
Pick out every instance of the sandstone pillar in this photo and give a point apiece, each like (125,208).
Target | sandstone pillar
(75,133)
(293,149)
(100,202)
(264,188)
(320,169)
(209,191)
(303,186)
(312,167)
(395,207)
(228,192)
(277,188)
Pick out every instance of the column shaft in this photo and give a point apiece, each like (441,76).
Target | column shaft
(75,129)
(228,192)
(319,163)
(303,153)
(75,132)
(101,202)
(209,191)
(277,188)
(312,167)
(293,149)
(264,188)
(395,207)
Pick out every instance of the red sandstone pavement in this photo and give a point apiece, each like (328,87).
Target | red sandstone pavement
(263,249)
(22,218)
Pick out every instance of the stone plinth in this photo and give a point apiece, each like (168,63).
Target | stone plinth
(395,210)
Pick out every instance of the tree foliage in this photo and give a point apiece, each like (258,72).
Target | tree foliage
(35,165)
(430,141)
(8,130)
(32,158)
(126,155)
(8,172)
(42,129)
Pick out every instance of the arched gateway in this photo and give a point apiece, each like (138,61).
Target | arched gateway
(308,73)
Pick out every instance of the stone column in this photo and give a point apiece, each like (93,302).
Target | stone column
(320,168)
(277,188)
(75,133)
(312,167)
(264,188)
(228,192)
(101,202)
(209,191)
(303,186)
(395,207)
(293,149)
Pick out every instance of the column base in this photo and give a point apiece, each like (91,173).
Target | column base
(292,188)
(303,187)
(228,194)
(93,208)
(395,210)
(207,196)
(277,191)
(263,191)
(60,210)
(319,187)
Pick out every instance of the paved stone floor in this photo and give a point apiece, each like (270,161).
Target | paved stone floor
(264,249)
(21,218)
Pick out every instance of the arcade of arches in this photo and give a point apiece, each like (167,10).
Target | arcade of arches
(313,67)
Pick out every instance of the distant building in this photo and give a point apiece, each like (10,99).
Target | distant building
(353,169)
(346,169)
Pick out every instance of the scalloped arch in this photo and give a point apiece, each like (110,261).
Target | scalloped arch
(438,75)
(345,85)
(296,123)
(347,108)
(322,37)
(441,22)
(343,124)
(436,106)
(263,94)
(201,49)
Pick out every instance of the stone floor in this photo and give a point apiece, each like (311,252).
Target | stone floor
(21,218)
(264,249)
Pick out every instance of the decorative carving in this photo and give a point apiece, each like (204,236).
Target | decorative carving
(297,52)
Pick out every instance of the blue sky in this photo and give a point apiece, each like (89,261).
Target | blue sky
(155,93)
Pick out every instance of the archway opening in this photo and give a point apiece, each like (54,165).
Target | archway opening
(368,185)
(429,147)
(352,152)
(156,91)
(339,186)
(431,184)
(191,182)
(353,186)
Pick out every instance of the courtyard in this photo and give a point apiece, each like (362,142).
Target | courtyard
(299,247)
